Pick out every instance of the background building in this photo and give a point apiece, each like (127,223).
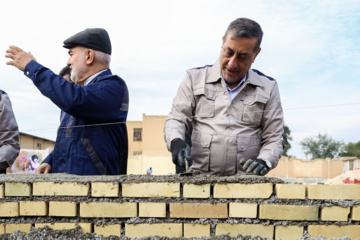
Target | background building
(28,141)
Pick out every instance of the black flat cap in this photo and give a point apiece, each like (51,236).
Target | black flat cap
(93,38)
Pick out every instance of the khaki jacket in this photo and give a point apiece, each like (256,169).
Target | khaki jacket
(225,132)
(9,133)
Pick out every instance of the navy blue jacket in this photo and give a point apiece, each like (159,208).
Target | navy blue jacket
(92,137)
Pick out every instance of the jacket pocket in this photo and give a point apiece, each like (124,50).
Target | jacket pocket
(205,102)
(253,108)
(200,151)
(247,147)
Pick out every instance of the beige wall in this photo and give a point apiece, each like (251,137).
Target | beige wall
(33,142)
(153,138)
(135,147)
(318,168)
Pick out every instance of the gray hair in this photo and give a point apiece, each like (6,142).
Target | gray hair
(246,28)
(103,58)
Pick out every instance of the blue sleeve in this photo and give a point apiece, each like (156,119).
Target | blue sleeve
(49,159)
(101,101)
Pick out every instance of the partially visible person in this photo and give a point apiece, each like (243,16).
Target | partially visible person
(9,133)
(149,171)
(65,73)
(92,137)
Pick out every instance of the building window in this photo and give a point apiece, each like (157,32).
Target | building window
(38,145)
(137,153)
(137,134)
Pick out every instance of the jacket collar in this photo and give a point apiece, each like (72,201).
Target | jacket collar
(215,75)
(102,75)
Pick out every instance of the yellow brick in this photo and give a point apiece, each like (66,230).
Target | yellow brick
(331,231)
(335,213)
(85,227)
(151,189)
(152,209)
(108,230)
(288,212)
(159,229)
(2,192)
(16,189)
(104,189)
(9,209)
(344,191)
(198,210)
(355,215)
(33,208)
(288,232)
(196,191)
(239,190)
(253,230)
(196,230)
(108,209)
(2,228)
(62,209)
(60,189)
(22,227)
(290,191)
(243,210)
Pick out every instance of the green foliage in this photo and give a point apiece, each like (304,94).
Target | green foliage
(322,146)
(351,150)
(287,137)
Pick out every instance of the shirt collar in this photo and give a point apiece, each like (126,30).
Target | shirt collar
(87,81)
(238,86)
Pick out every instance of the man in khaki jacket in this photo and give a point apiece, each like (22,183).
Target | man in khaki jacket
(235,111)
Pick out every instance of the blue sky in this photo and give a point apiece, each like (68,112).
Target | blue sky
(310,47)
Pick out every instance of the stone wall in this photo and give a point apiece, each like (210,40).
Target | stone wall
(179,206)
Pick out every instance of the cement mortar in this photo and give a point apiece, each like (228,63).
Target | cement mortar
(195,178)
(47,233)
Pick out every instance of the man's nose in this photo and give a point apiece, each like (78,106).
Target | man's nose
(233,63)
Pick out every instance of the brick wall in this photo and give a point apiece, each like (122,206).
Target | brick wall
(179,206)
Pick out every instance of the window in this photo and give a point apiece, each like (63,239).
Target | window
(135,153)
(38,145)
(137,134)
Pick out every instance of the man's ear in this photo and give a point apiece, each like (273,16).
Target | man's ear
(89,56)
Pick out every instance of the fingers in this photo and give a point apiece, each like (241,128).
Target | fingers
(252,166)
(188,153)
(43,168)
(242,161)
(247,163)
(47,169)
(264,171)
(181,160)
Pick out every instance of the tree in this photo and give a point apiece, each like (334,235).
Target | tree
(287,137)
(322,146)
(351,150)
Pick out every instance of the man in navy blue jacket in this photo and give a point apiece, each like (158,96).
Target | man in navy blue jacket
(92,137)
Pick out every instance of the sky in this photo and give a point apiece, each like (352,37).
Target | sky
(310,47)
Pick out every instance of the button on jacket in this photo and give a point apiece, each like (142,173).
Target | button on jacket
(9,133)
(92,137)
(225,131)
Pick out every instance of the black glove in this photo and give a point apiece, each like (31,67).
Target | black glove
(254,165)
(179,151)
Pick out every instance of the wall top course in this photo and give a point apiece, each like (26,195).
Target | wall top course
(196,178)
